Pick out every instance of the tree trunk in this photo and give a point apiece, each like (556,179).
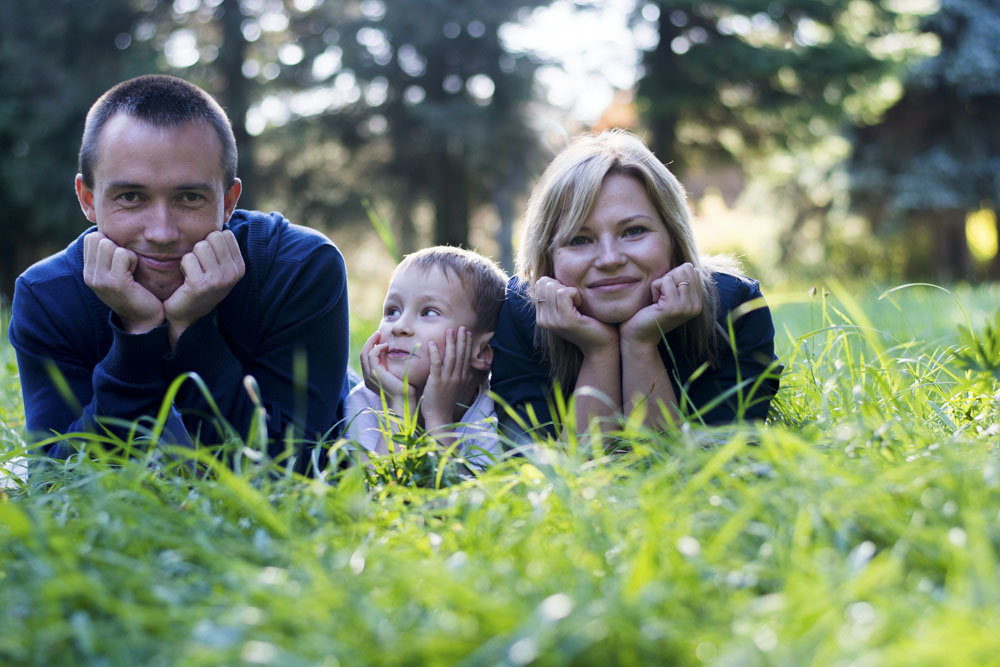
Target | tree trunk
(234,94)
(503,199)
(451,199)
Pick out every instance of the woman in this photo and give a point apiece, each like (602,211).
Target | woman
(613,302)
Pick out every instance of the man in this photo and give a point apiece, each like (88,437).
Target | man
(174,279)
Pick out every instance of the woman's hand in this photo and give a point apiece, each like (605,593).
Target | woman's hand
(379,380)
(449,378)
(676,299)
(558,310)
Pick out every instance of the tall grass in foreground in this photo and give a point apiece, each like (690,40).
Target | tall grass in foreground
(859,527)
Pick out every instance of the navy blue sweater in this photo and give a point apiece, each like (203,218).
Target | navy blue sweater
(291,304)
(521,374)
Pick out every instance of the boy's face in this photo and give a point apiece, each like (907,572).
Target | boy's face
(420,307)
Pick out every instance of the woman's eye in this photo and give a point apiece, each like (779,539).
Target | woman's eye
(578,240)
(635,230)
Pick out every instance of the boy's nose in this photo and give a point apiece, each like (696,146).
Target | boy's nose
(402,327)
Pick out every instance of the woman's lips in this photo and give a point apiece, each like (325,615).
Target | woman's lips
(612,285)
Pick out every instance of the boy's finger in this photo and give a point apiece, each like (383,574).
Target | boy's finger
(435,355)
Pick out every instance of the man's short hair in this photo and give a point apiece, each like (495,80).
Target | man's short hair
(484,282)
(161,101)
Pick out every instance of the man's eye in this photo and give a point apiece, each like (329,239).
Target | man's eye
(128,197)
(191,197)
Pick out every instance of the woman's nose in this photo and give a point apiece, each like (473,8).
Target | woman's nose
(609,254)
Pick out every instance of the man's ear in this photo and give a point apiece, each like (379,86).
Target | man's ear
(482,353)
(85,196)
(229,199)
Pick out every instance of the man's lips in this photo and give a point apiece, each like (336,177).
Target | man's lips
(160,262)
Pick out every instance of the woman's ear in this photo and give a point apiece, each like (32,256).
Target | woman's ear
(482,353)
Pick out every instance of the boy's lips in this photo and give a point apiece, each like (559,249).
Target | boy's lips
(397,353)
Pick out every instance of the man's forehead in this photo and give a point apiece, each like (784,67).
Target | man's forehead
(128,141)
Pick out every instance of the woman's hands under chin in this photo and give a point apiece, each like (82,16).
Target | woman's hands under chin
(676,299)
(557,310)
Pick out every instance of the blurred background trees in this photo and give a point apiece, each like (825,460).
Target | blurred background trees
(835,123)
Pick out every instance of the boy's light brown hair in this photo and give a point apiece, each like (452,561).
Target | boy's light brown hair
(483,280)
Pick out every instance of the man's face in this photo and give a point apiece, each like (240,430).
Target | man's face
(157,192)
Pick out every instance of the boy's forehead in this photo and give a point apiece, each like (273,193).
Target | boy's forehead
(417,278)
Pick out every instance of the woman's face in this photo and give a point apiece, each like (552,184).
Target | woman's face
(618,252)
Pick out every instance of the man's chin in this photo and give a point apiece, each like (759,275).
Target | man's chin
(162,290)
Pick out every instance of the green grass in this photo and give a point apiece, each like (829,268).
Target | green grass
(862,526)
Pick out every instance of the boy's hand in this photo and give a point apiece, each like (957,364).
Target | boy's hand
(449,377)
(379,380)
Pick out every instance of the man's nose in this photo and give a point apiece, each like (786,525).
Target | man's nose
(161,226)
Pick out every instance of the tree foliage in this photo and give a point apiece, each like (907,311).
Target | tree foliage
(56,57)
(428,106)
(936,154)
(728,79)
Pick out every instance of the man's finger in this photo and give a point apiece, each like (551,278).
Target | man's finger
(191,267)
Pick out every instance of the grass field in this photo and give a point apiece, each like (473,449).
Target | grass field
(860,527)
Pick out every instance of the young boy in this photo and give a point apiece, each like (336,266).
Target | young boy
(431,354)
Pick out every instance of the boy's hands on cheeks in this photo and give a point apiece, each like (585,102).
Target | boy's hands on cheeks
(108,269)
(449,378)
(211,270)
(676,299)
(558,311)
(378,378)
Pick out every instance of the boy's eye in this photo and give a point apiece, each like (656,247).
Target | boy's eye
(390,311)
(427,312)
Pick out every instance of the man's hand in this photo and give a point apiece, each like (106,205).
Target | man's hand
(108,269)
(676,299)
(449,378)
(558,311)
(378,379)
(211,270)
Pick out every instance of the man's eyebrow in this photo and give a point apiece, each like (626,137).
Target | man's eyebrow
(125,185)
(129,185)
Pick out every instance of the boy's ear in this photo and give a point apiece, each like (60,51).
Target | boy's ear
(482,353)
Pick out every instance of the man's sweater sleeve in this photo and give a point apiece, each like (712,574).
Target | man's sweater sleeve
(300,359)
(66,388)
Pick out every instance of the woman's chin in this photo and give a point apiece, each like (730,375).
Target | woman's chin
(610,315)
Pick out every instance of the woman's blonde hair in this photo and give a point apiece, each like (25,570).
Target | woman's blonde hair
(563,199)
